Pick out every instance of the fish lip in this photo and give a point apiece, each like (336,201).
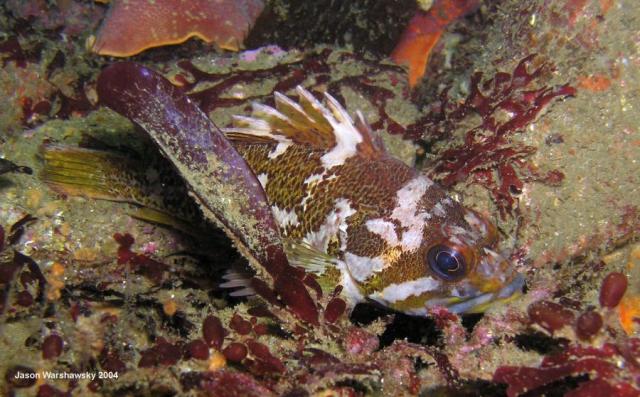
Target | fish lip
(476,302)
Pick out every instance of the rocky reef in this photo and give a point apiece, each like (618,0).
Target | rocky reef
(527,112)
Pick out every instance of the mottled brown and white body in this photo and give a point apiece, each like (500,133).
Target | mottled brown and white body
(352,213)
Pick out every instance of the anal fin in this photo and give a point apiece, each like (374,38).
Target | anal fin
(239,281)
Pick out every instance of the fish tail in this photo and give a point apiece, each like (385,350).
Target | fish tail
(76,171)
(102,175)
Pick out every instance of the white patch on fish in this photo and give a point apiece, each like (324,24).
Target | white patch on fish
(263,179)
(335,224)
(346,134)
(350,289)
(313,179)
(362,267)
(280,148)
(407,214)
(384,229)
(285,218)
(399,292)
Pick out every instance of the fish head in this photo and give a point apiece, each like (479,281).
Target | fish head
(437,253)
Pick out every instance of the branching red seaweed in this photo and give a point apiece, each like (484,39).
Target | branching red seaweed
(507,103)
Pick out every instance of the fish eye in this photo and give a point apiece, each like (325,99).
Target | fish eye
(446,262)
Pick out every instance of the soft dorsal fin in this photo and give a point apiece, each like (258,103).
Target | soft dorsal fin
(307,122)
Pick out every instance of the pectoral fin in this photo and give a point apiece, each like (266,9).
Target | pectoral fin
(307,257)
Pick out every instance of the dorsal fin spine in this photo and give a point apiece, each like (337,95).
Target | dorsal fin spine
(283,101)
(338,111)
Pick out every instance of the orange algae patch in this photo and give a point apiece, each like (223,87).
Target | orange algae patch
(132,26)
(605,5)
(629,307)
(594,83)
(56,281)
(424,31)
(629,313)
(170,307)
(217,361)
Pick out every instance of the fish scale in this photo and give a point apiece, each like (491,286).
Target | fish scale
(355,181)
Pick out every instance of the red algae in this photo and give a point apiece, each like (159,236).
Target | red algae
(263,356)
(52,346)
(197,349)
(235,352)
(240,325)
(17,266)
(125,242)
(297,298)
(140,263)
(50,391)
(549,315)
(588,324)
(24,298)
(260,329)
(213,332)
(310,281)
(488,156)
(335,308)
(224,383)
(35,82)
(110,361)
(611,365)
(600,387)
(136,25)
(12,51)
(358,341)
(612,290)
(163,353)
(573,361)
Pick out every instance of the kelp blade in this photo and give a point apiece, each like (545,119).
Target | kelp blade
(219,178)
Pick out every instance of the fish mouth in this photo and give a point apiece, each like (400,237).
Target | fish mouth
(480,303)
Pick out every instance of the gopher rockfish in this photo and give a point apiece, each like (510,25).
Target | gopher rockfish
(343,207)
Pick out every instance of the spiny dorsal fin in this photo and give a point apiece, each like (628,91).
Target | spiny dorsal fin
(308,122)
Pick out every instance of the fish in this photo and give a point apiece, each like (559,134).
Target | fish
(346,207)
(320,192)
